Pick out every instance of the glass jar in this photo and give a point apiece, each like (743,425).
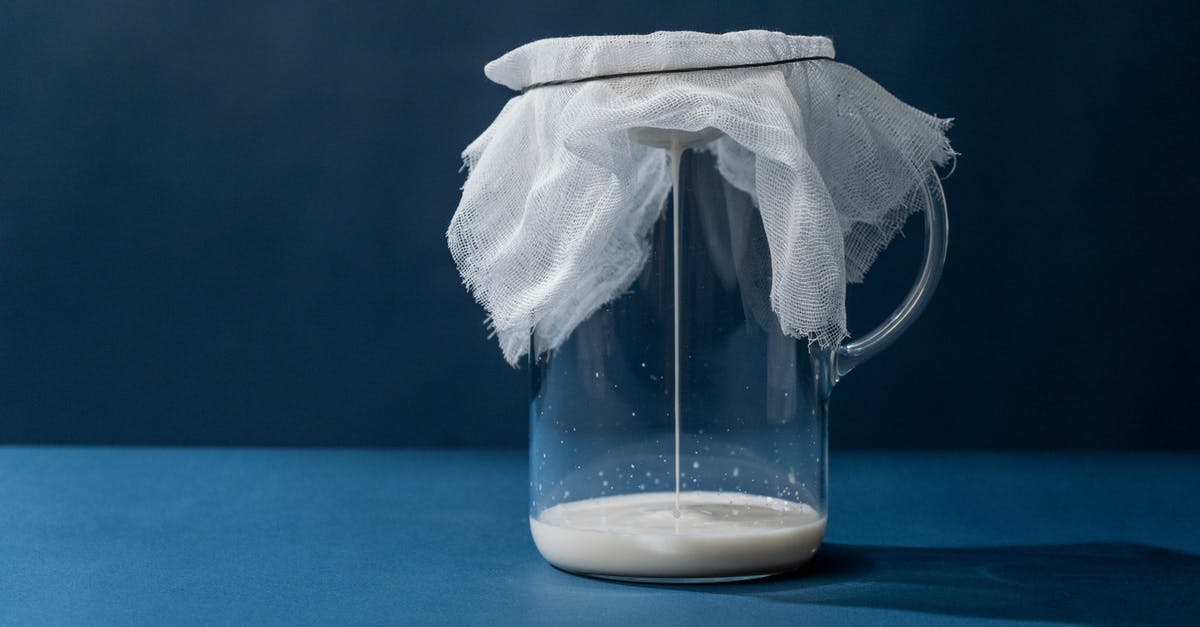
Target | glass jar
(678,434)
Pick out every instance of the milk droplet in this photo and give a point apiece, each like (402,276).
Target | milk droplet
(695,464)
(791,477)
(605,483)
(736,471)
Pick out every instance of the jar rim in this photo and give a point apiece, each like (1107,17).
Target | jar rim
(568,59)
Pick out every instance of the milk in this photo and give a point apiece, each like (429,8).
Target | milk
(717,535)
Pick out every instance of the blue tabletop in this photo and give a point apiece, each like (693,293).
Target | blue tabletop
(238,536)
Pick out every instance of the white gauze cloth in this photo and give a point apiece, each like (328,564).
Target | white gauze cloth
(557,208)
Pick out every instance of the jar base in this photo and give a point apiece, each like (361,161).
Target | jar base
(686,580)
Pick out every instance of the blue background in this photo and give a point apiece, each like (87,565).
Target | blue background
(223,222)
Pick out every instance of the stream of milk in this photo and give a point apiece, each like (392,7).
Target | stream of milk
(676,156)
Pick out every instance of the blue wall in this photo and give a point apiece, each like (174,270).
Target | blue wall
(223,222)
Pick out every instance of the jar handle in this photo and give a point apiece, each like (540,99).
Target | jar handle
(937,227)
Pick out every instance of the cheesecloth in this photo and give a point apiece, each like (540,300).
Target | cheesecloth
(560,198)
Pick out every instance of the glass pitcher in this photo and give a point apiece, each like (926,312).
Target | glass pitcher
(678,435)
